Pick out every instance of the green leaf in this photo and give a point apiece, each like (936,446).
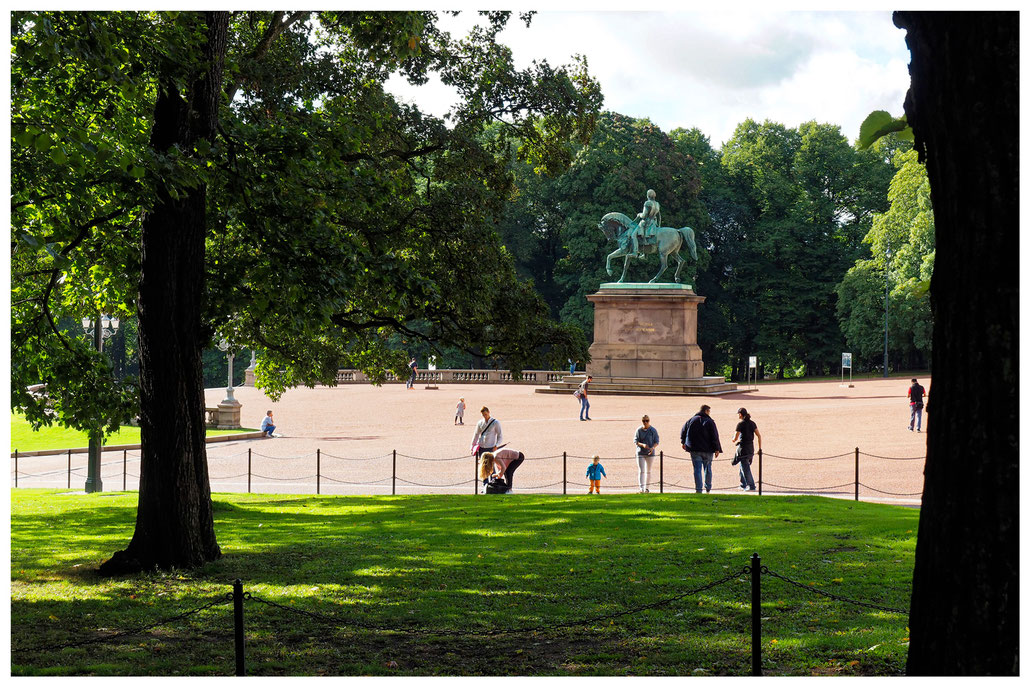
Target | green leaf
(880,123)
(58,155)
(25,138)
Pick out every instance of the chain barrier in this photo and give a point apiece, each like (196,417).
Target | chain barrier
(455,484)
(79,472)
(218,601)
(281,479)
(842,455)
(497,631)
(808,489)
(372,483)
(433,460)
(330,455)
(889,457)
(835,597)
(891,493)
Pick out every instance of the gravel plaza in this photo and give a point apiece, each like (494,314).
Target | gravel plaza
(341,440)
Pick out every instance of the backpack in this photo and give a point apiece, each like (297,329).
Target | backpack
(578,393)
(496,486)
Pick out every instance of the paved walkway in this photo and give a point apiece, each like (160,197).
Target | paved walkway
(341,440)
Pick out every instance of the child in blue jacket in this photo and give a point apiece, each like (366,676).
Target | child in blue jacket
(594,472)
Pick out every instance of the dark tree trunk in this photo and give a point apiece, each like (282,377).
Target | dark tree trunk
(964,108)
(174,522)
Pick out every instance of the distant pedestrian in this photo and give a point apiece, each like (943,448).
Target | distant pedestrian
(744,438)
(572,366)
(915,404)
(488,434)
(500,465)
(459,412)
(582,394)
(414,369)
(594,473)
(268,425)
(646,440)
(700,438)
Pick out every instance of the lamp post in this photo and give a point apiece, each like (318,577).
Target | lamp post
(223,346)
(886,302)
(104,328)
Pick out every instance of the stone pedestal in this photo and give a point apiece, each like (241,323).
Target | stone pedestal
(646,331)
(228,416)
(645,342)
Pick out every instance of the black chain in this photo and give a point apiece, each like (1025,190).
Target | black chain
(538,628)
(870,455)
(892,493)
(835,597)
(773,455)
(224,599)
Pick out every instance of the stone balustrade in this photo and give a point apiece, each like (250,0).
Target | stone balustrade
(538,377)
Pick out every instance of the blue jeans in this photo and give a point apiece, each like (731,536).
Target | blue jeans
(584,408)
(917,418)
(746,479)
(701,461)
(269,430)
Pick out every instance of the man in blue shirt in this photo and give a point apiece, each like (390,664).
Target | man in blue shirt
(700,438)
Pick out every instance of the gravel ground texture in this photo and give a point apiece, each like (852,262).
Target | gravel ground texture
(341,440)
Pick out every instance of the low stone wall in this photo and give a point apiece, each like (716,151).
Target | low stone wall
(537,377)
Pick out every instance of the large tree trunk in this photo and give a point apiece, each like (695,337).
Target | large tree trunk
(964,108)
(174,522)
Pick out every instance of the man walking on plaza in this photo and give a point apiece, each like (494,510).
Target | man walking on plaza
(488,434)
(581,393)
(646,440)
(700,438)
(414,370)
(915,404)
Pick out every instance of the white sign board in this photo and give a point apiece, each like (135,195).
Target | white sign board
(752,361)
(845,360)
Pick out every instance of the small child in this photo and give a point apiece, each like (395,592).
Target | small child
(594,472)
(459,413)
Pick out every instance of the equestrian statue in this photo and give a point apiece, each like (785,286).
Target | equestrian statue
(645,235)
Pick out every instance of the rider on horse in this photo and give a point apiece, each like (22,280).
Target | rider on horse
(650,219)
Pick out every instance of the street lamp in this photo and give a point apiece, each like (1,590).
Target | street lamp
(223,346)
(105,328)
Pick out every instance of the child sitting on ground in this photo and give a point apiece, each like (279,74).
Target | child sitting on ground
(594,472)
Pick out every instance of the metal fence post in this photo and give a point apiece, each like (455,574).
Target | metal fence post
(237,623)
(856,473)
(756,614)
(475,473)
(248,470)
(661,472)
(125,468)
(69,468)
(759,471)
(565,473)
(393,488)
(318,471)
(16,468)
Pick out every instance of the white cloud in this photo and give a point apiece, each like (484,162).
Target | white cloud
(711,70)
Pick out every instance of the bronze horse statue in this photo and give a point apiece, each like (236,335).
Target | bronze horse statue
(667,241)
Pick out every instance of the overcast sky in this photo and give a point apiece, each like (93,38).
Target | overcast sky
(711,70)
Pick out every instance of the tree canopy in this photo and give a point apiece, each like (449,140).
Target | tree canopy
(246,176)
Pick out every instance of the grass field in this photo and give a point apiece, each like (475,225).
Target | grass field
(470,563)
(24,438)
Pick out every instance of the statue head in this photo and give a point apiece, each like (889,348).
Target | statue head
(650,194)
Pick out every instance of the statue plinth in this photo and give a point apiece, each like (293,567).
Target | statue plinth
(645,342)
(646,331)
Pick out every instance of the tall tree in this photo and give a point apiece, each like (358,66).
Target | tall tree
(906,230)
(252,180)
(963,106)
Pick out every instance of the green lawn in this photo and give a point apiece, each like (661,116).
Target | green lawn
(464,563)
(24,438)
